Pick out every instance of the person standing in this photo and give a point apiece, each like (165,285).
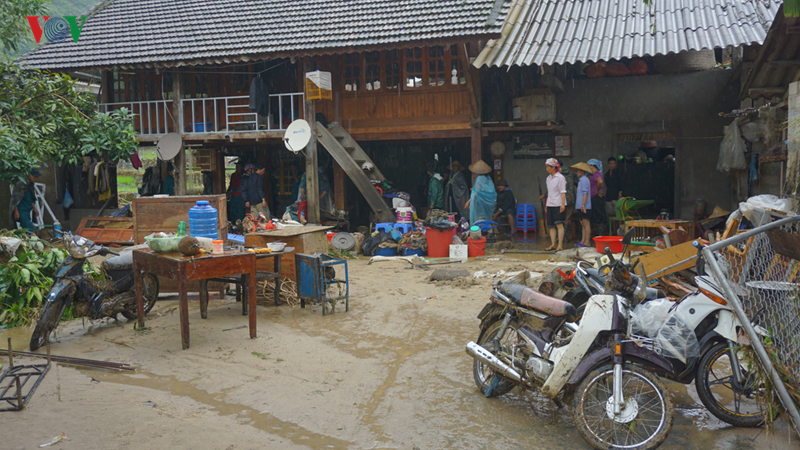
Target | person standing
(583,205)
(169,181)
(598,214)
(483,197)
(23,202)
(614,186)
(458,188)
(236,204)
(506,204)
(254,190)
(572,186)
(556,203)
(435,188)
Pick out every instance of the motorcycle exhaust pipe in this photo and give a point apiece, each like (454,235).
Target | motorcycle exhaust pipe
(486,357)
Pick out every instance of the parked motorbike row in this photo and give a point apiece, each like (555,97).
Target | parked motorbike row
(583,348)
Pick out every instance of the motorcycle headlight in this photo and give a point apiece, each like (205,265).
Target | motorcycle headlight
(79,247)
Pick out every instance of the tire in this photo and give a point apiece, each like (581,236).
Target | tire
(150,290)
(726,399)
(48,321)
(638,429)
(481,372)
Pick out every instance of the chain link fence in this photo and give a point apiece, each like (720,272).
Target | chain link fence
(759,272)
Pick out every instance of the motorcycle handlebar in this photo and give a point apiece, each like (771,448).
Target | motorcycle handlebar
(610,255)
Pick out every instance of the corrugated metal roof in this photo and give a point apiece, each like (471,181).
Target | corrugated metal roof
(570,31)
(169,32)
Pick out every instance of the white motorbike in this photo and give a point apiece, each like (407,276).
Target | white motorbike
(527,339)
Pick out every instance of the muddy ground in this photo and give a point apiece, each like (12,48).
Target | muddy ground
(391,373)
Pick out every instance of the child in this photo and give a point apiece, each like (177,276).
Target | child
(583,202)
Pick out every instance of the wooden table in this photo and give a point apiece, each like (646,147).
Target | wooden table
(185,269)
(648,225)
(275,274)
(306,239)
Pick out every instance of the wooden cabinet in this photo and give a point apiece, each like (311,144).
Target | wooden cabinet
(152,214)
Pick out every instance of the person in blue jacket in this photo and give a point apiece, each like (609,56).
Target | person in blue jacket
(169,181)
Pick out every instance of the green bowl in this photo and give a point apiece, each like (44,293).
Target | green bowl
(163,245)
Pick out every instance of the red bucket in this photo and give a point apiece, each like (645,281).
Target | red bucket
(477,247)
(438,242)
(612,242)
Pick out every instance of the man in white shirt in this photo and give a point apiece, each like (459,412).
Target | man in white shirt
(556,203)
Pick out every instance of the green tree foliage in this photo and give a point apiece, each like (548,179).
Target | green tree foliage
(45,116)
(791,8)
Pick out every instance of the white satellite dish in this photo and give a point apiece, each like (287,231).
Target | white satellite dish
(297,135)
(169,146)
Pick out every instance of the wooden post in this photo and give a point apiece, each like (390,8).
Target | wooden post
(473,89)
(312,175)
(177,117)
(476,147)
(219,174)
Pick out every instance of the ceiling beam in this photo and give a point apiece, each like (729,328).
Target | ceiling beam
(766,91)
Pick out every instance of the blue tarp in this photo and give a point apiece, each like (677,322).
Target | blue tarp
(482,199)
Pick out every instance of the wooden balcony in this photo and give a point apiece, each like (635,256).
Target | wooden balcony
(226,118)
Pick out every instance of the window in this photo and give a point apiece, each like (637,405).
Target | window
(373,71)
(392,62)
(436,72)
(413,68)
(352,72)
(408,69)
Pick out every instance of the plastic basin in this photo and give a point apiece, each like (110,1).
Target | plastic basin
(163,245)
(612,242)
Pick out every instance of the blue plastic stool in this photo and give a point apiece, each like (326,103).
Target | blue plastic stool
(485,225)
(526,218)
(389,226)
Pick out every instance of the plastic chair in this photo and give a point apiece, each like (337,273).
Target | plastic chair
(389,226)
(526,218)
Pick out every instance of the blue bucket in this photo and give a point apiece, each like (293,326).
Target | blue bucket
(200,127)
(412,251)
(390,251)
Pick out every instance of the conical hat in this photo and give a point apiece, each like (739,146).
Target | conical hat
(480,168)
(718,212)
(584,167)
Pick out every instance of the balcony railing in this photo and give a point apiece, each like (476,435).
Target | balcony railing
(213,115)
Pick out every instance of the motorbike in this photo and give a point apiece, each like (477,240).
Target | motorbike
(723,380)
(529,339)
(73,286)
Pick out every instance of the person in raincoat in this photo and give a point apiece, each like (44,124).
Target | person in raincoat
(23,202)
(435,188)
(325,194)
(169,181)
(484,197)
(458,188)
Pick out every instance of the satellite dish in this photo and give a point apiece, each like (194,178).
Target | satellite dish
(297,135)
(169,146)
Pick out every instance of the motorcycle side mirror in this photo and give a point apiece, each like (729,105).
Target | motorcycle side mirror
(628,237)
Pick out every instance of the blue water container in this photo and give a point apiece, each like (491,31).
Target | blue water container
(203,220)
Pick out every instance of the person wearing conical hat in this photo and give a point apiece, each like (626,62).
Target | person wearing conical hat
(483,197)
(556,203)
(583,204)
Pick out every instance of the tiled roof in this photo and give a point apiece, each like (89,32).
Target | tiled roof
(126,33)
(570,31)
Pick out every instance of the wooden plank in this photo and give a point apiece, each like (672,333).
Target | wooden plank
(467,67)
(730,229)
(355,173)
(668,260)
(411,135)
(675,287)
(119,235)
(784,243)
(151,214)
(356,152)
(339,188)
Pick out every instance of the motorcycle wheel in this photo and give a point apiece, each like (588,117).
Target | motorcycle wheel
(644,422)
(48,321)
(484,374)
(150,289)
(730,402)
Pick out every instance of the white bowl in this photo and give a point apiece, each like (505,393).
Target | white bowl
(276,246)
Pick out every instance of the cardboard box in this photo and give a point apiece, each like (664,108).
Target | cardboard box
(459,252)
(537,107)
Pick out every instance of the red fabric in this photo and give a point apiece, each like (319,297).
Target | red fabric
(236,183)
(596,70)
(301,209)
(135,161)
(617,70)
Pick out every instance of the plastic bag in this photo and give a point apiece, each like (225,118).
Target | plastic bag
(677,340)
(764,201)
(731,150)
(68,201)
(372,243)
(647,318)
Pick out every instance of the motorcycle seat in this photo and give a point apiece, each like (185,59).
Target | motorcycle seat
(124,261)
(533,299)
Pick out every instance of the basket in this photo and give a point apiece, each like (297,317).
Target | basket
(163,245)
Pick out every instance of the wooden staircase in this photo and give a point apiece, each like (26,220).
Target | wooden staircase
(350,157)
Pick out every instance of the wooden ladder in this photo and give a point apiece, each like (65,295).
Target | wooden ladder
(351,157)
